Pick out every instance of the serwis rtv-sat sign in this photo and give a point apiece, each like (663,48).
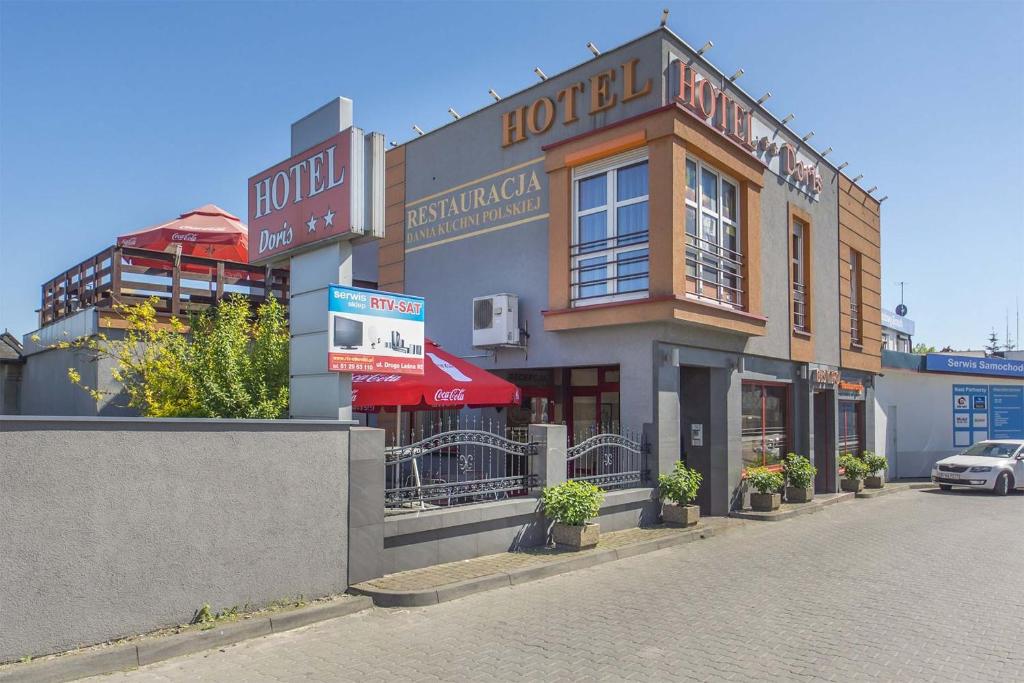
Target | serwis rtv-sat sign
(372,331)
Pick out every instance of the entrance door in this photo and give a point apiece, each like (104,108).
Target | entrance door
(824,440)
(695,428)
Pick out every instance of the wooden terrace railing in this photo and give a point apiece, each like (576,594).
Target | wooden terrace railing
(182,283)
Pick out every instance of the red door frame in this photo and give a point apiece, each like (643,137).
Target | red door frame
(603,386)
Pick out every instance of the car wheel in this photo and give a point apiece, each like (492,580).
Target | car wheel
(1003,484)
(945,487)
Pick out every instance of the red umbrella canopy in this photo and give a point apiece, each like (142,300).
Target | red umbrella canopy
(446,382)
(208,231)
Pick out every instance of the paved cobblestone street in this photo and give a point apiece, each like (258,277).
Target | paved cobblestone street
(915,586)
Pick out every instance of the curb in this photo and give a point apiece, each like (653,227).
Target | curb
(129,656)
(894,488)
(383,597)
(804,509)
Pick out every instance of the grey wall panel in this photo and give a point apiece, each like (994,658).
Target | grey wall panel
(116,527)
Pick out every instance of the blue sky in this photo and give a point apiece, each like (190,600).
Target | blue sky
(114,116)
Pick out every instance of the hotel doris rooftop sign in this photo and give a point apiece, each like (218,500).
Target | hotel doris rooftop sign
(316,195)
(715,107)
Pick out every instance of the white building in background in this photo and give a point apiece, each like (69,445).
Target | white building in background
(930,406)
(897,332)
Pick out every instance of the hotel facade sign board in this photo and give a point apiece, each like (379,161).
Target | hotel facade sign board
(761,137)
(513,196)
(329,191)
(375,332)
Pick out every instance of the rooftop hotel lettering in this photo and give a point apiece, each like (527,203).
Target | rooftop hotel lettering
(601,92)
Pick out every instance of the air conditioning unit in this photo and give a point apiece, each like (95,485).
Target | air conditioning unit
(496,320)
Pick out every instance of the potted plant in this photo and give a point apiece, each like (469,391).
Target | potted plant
(799,473)
(767,484)
(854,472)
(571,504)
(677,490)
(876,465)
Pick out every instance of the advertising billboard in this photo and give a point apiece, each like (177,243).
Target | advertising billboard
(372,331)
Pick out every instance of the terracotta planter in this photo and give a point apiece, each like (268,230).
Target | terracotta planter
(680,515)
(765,502)
(576,537)
(874,482)
(799,495)
(854,485)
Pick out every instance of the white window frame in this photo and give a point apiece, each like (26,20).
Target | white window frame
(609,168)
(798,267)
(719,215)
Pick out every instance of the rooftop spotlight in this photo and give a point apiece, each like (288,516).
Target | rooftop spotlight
(739,72)
(593,49)
(419,131)
(883,199)
(858,177)
(826,152)
(540,74)
(496,96)
(707,46)
(455,114)
(842,165)
(873,188)
(765,97)
(664,16)
(788,118)
(808,136)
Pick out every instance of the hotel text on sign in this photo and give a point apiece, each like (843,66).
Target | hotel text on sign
(302,200)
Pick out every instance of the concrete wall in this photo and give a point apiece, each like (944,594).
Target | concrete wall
(422,539)
(113,527)
(10,387)
(46,389)
(913,418)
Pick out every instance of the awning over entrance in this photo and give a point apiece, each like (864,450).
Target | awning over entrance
(447,382)
(209,231)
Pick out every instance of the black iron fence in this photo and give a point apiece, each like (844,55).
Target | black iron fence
(457,464)
(609,457)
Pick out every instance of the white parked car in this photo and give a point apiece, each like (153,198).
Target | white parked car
(994,465)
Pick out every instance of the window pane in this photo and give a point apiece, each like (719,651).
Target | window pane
(691,233)
(583,377)
(691,180)
(691,220)
(709,190)
(593,192)
(728,200)
(730,241)
(632,270)
(751,425)
(709,231)
(632,223)
(632,181)
(593,231)
(593,270)
(775,405)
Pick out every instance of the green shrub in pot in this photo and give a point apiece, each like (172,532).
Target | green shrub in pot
(876,464)
(571,504)
(855,469)
(766,483)
(799,474)
(680,488)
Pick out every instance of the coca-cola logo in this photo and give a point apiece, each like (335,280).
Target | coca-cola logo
(276,240)
(184,237)
(450,395)
(376,378)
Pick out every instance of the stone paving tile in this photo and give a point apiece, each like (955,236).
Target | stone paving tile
(920,586)
(453,572)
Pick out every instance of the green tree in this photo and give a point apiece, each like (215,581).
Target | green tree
(226,363)
(993,346)
(923,348)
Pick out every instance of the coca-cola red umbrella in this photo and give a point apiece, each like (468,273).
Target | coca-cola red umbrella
(447,382)
(208,231)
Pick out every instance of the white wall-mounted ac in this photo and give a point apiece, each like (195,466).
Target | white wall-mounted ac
(496,320)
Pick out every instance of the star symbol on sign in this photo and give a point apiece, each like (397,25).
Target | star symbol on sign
(311,224)
(329,218)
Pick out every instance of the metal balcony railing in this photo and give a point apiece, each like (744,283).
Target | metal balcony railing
(716,271)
